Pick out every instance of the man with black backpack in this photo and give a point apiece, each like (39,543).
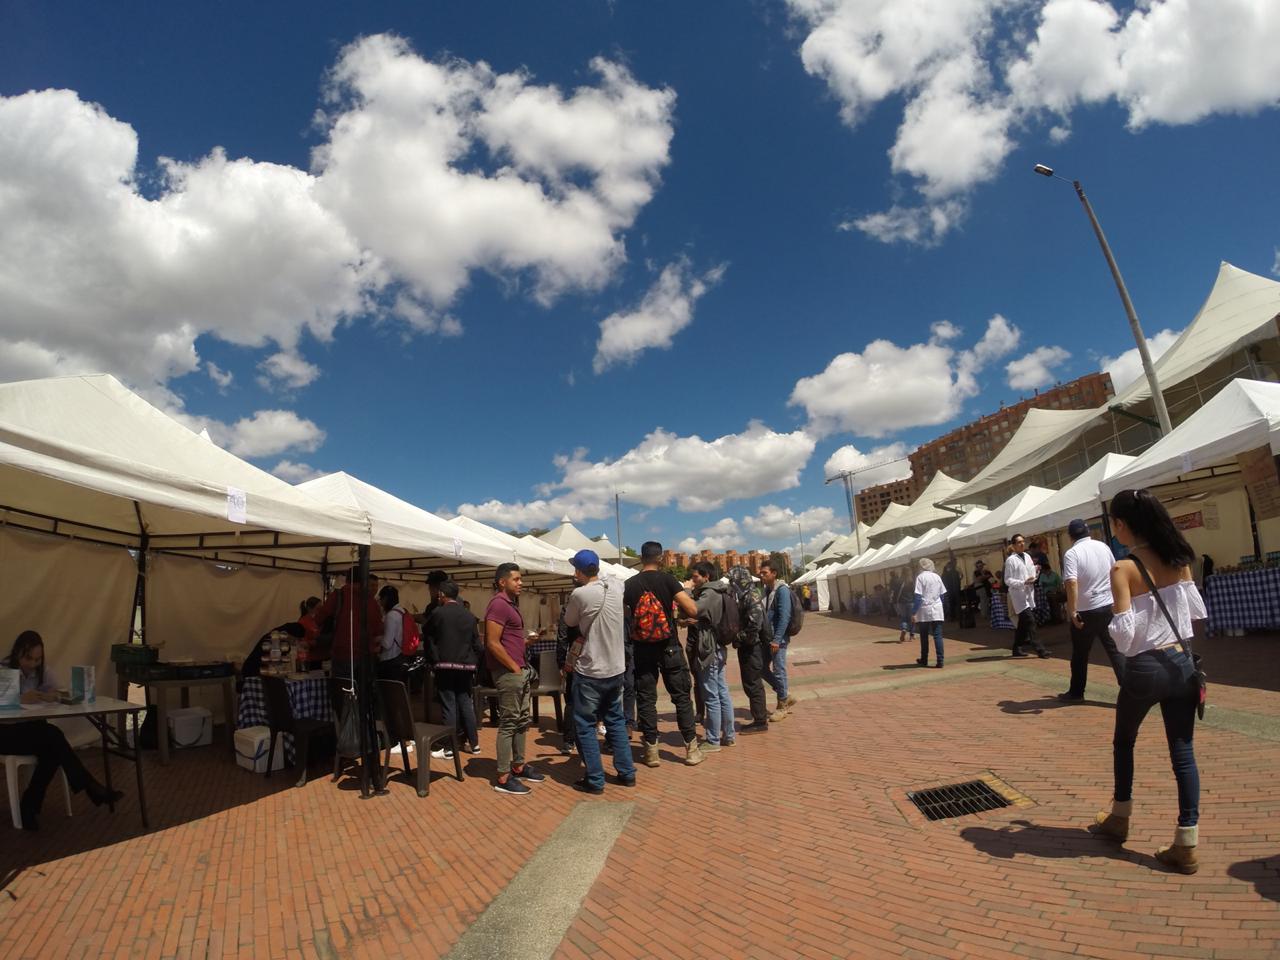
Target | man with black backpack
(710,636)
(782,612)
(755,634)
(651,598)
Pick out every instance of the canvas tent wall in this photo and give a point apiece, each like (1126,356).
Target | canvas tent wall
(822,587)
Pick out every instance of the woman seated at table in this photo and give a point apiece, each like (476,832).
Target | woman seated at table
(42,739)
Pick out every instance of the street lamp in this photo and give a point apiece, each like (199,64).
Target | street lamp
(1157,397)
(801,533)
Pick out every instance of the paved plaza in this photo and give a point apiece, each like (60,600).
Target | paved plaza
(796,843)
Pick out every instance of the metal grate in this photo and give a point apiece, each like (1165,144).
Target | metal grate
(956,800)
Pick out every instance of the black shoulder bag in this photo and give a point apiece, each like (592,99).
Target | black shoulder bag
(1198,677)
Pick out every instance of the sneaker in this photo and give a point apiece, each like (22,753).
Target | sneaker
(475,748)
(529,774)
(921,662)
(730,742)
(651,758)
(1020,654)
(513,786)
(442,753)
(1042,653)
(938,664)
(777,716)
(710,748)
(583,787)
(625,781)
(567,750)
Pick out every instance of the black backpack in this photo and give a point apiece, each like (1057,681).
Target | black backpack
(797,612)
(730,623)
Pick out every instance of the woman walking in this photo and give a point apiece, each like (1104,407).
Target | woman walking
(926,610)
(902,604)
(1154,602)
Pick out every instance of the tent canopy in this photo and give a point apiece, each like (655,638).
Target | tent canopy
(948,534)
(568,537)
(846,546)
(894,558)
(922,512)
(86,456)
(1243,416)
(531,553)
(888,520)
(995,526)
(1078,499)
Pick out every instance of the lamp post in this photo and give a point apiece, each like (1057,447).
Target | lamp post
(1157,397)
(801,533)
(617,514)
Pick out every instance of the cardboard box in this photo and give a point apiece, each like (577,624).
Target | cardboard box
(252,745)
(190,727)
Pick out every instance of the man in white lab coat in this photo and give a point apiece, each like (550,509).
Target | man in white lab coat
(1020,577)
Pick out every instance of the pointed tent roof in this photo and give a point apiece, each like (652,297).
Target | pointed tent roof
(1079,498)
(845,546)
(888,520)
(568,537)
(859,563)
(87,450)
(895,557)
(922,511)
(532,553)
(994,526)
(1242,308)
(1243,416)
(927,547)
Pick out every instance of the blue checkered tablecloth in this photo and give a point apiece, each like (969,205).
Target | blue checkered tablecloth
(1000,612)
(1244,600)
(1042,605)
(309,699)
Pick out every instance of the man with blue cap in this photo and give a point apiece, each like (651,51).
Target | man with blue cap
(598,663)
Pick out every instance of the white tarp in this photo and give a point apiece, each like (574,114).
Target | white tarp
(922,512)
(1078,499)
(887,521)
(86,449)
(824,593)
(531,553)
(1243,416)
(896,556)
(1000,522)
(940,541)
(846,546)
(568,537)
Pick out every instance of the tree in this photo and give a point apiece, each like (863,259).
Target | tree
(781,562)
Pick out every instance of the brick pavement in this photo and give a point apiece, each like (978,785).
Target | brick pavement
(796,843)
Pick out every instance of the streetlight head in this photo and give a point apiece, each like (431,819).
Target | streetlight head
(1044,171)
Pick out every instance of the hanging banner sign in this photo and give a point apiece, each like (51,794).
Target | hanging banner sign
(1258,469)
(1189,521)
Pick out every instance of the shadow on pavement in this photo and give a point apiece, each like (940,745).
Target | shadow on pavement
(902,666)
(987,659)
(1033,840)
(1263,873)
(1041,704)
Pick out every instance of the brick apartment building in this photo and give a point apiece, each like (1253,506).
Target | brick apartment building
(730,558)
(963,452)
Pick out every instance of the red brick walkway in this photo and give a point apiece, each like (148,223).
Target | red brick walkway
(795,843)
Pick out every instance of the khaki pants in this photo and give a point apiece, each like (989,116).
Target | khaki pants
(513,717)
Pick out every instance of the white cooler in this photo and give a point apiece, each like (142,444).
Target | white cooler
(252,744)
(190,727)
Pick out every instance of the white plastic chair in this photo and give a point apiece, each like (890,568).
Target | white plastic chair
(13,764)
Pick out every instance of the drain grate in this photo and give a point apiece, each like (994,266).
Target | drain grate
(956,800)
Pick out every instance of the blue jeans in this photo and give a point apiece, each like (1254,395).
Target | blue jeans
(926,627)
(718,718)
(775,671)
(592,698)
(1163,677)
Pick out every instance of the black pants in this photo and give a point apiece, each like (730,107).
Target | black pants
(457,709)
(751,666)
(392,669)
(668,660)
(1095,625)
(629,685)
(1025,634)
(699,705)
(51,750)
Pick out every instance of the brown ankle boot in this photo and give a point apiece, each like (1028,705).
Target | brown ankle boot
(1181,854)
(651,758)
(1114,824)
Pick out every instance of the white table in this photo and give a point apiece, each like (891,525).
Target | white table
(98,713)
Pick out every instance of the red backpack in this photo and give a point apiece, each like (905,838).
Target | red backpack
(410,639)
(649,622)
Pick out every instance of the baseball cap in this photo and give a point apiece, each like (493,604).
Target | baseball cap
(1077,529)
(585,558)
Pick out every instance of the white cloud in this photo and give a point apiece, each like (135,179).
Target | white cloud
(296,472)
(221,378)
(720,536)
(1036,369)
(888,388)
(877,465)
(1275,267)
(689,472)
(286,371)
(773,523)
(1127,367)
(971,75)
(944,330)
(665,310)
(266,434)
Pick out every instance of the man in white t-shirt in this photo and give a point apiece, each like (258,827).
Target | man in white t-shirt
(1020,577)
(1086,571)
(597,660)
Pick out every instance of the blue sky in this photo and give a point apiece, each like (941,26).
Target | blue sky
(645,248)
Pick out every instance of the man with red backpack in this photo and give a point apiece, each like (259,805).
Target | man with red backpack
(652,598)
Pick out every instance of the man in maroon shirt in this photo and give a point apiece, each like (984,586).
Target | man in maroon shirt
(505,641)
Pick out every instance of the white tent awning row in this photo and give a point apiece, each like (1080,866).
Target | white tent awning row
(887,521)
(1079,499)
(922,512)
(1000,522)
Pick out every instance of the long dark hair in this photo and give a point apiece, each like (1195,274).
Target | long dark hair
(27,640)
(1150,521)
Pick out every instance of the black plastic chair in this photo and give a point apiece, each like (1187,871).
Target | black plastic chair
(402,728)
(280,719)
(549,684)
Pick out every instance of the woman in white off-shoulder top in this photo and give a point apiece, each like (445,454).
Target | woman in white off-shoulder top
(1156,669)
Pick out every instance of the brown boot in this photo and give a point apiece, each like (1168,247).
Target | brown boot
(779,712)
(1181,854)
(651,755)
(693,753)
(791,701)
(1115,824)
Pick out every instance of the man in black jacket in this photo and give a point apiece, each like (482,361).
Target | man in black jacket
(452,648)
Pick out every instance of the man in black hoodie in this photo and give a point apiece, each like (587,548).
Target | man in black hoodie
(452,647)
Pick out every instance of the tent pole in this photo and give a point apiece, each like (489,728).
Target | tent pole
(371,772)
(1106,527)
(1253,527)
(139,608)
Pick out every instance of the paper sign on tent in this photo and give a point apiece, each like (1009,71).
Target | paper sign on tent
(237,505)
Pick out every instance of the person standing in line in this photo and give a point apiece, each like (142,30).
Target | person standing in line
(453,651)
(505,646)
(777,607)
(926,610)
(1154,603)
(597,663)
(704,638)
(652,598)
(391,654)
(951,580)
(1086,571)
(1020,577)
(342,608)
(902,603)
(754,637)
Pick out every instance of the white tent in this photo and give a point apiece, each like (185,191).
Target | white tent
(896,556)
(999,523)
(922,512)
(529,552)
(888,521)
(939,541)
(1243,416)
(822,586)
(1078,499)
(568,537)
(846,546)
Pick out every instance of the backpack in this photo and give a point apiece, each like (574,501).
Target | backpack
(797,613)
(410,639)
(649,622)
(729,625)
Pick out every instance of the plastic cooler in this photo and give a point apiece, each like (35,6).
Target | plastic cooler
(252,744)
